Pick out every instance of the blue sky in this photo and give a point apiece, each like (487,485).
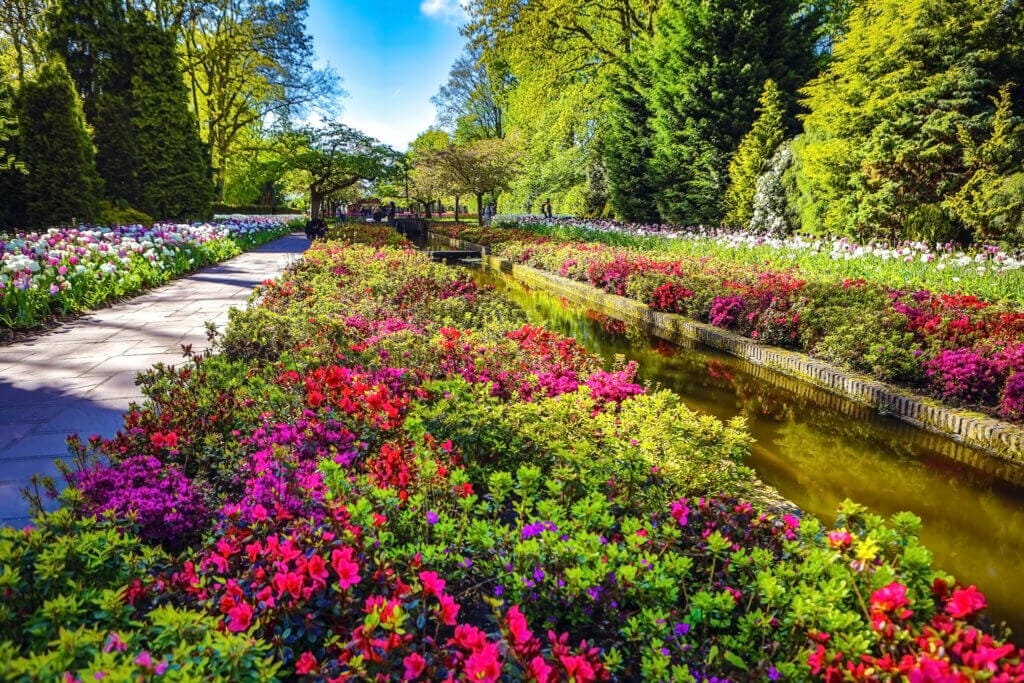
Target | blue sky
(392,56)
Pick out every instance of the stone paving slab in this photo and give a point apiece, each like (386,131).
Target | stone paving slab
(80,377)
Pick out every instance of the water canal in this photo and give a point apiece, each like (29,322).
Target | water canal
(818,449)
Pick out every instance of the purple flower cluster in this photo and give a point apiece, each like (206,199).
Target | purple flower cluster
(966,376)
(537,528)
(725,310)
(167,508)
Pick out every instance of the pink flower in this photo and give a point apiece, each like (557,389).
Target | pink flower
(840,538)
(432,584)
(890,597)
(680,511)
(414,665)
(239,617)
(540,670)
(484,665)
(518,627)
(345,567)
(449,609)
(306,664)
(965,602)
(144,660)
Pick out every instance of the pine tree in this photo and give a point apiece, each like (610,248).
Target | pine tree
(61,183)
(172,175)
(885,142)
(628,144)
(710,61)
(752,156)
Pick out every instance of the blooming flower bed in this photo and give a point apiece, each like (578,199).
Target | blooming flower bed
(959,348)
(987,271)
(397,479)
(69,270)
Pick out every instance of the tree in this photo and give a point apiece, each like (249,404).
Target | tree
(910,83)
(628,143)
(752,156)
(710,61)
(62,184)
(559,54)
(22,37)
(471,104)
(336,157)
(479,167)
(172,176)
(426,178)
(248,63)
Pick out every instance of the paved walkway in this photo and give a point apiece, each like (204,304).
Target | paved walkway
(81,376)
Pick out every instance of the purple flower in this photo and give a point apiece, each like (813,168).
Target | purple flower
(773,673)
(431,517)
(681,629)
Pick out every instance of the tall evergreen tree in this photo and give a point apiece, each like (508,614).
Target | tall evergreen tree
(711,59)
(54,145)
(908,86)
(628,145)
(752,156)
(170,164)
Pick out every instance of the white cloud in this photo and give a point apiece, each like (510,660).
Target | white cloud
(449,10)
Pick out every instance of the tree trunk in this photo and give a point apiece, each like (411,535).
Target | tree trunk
(456,208)
(479,208)
(316,199)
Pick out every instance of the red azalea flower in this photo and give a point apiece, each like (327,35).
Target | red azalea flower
(890,597)
(432,584)
(485,665)
(965,602)
(449,609)
(306,664)
(239,617)
(414,665)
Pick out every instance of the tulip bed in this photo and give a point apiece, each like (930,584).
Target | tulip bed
(959,348)
(70,270)
(385,474)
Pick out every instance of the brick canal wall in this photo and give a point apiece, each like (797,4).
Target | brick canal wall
(1002,442)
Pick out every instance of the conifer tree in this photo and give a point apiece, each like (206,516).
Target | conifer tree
(628,144)
(711,59)
(752,156)
(885,143)
(61,181)
(172,175)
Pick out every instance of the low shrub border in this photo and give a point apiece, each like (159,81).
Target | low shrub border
(405,482)
(996,437)
(65,271)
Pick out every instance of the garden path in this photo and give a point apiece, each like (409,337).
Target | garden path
(81,376)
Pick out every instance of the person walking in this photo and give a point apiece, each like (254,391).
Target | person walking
(545,208)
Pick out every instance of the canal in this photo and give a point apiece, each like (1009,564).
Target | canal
(818,449)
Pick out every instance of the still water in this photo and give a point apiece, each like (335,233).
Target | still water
(818,449)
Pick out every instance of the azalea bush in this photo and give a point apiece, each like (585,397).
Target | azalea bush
(412,484)
(70,270)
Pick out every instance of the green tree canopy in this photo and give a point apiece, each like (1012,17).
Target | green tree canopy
(911,82)
(752,156)
(711,59)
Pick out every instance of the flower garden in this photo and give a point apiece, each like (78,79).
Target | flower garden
(385,474)
(69,270)
(930,320)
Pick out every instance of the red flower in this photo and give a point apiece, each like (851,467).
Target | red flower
(239,617)
(449,609)
(414,665)
(889,598)
(965,602)
(432,584)
(306,664)
(485,665)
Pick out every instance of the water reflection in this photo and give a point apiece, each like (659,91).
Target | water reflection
(818,449)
